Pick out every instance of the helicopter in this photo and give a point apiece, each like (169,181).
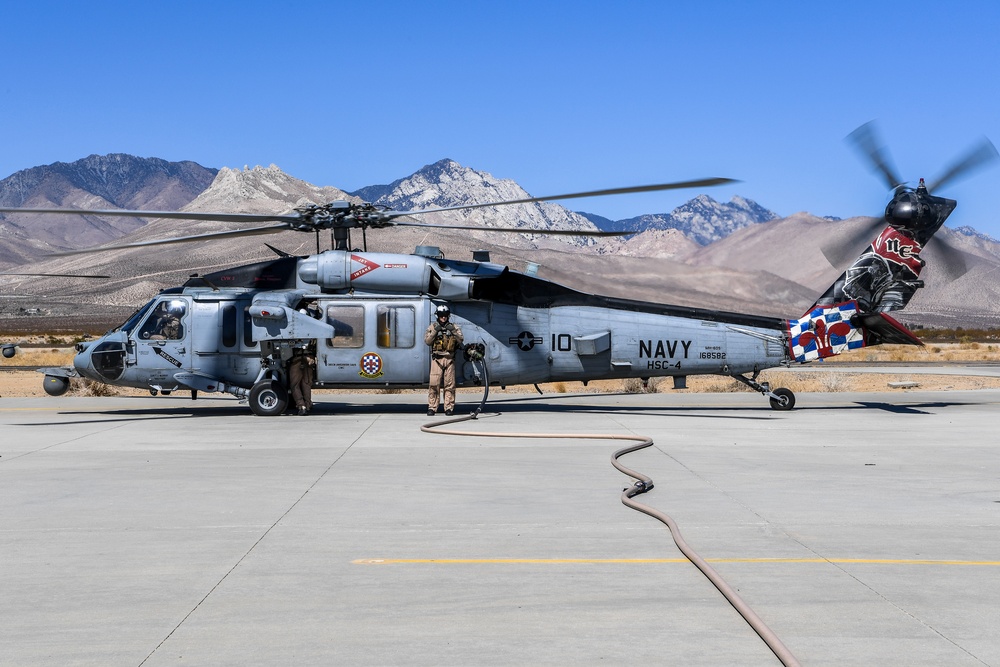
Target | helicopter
(235,330)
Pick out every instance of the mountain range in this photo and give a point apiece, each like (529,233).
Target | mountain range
(703,220)
(96,182)
(735,256)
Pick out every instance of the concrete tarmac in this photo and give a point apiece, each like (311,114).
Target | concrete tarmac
(864,529)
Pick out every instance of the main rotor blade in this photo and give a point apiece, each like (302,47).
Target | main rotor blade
(253,231)
(981,154)
(175,215)
(519,230)
(701,183)
(867,142)
(53,275)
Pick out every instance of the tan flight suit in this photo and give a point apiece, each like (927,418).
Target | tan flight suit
(444,341)
(168,328)
(301,373)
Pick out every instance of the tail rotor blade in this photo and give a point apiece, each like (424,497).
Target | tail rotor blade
(867,142)
(980,155)
(950,258)
(844,251)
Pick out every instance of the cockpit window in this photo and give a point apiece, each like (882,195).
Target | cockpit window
(164,323)
(136,318)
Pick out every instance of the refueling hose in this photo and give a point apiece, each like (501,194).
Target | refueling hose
(642,485)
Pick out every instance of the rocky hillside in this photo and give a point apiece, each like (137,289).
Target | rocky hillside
(447,183)
(100,181)
(703,220)
(774,267)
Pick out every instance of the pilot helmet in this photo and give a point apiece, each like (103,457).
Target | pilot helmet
(175,308)
(443,311)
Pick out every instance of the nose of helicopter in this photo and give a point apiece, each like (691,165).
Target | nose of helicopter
(83,362)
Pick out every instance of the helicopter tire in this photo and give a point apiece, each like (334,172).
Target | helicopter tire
(268,398)
(9,351)
(55,386)
(786,400)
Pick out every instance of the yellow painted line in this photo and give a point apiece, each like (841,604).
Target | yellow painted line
(655,561)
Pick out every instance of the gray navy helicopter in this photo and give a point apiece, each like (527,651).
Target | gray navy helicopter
(234,331)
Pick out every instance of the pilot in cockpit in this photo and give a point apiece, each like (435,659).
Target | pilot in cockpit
(166,321)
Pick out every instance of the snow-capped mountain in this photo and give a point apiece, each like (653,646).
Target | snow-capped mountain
(703,219)
(447,183)
(661,264)
(966,230)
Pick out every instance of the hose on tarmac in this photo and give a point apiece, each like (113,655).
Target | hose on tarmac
(642,485)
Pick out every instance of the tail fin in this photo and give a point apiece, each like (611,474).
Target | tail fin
(884,278)
(851,314)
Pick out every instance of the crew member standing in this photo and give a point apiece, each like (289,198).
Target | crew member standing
(444,339)
(301,372)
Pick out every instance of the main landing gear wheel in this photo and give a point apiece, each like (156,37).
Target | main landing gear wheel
(268,399)
(785,400)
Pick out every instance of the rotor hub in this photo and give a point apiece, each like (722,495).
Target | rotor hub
(339,215)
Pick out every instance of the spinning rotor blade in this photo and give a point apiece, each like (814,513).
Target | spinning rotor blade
(981,154)
(344,215)
(844,252)
(253,231)
(53,275)
(517,230)
(176,215)
(867,142)
(950,258)
(701,183)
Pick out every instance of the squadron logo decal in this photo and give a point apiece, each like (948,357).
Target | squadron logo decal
(371,366)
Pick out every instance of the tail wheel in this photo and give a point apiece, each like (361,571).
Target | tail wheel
(268,398)
(785,399)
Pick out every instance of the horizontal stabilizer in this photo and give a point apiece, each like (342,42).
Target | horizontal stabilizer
(886,330)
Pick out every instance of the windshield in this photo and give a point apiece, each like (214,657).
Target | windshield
(136,317)
(165,321)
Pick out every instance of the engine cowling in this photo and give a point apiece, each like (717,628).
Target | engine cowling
(387,273)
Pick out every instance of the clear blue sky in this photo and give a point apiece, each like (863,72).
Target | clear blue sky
(559,96)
